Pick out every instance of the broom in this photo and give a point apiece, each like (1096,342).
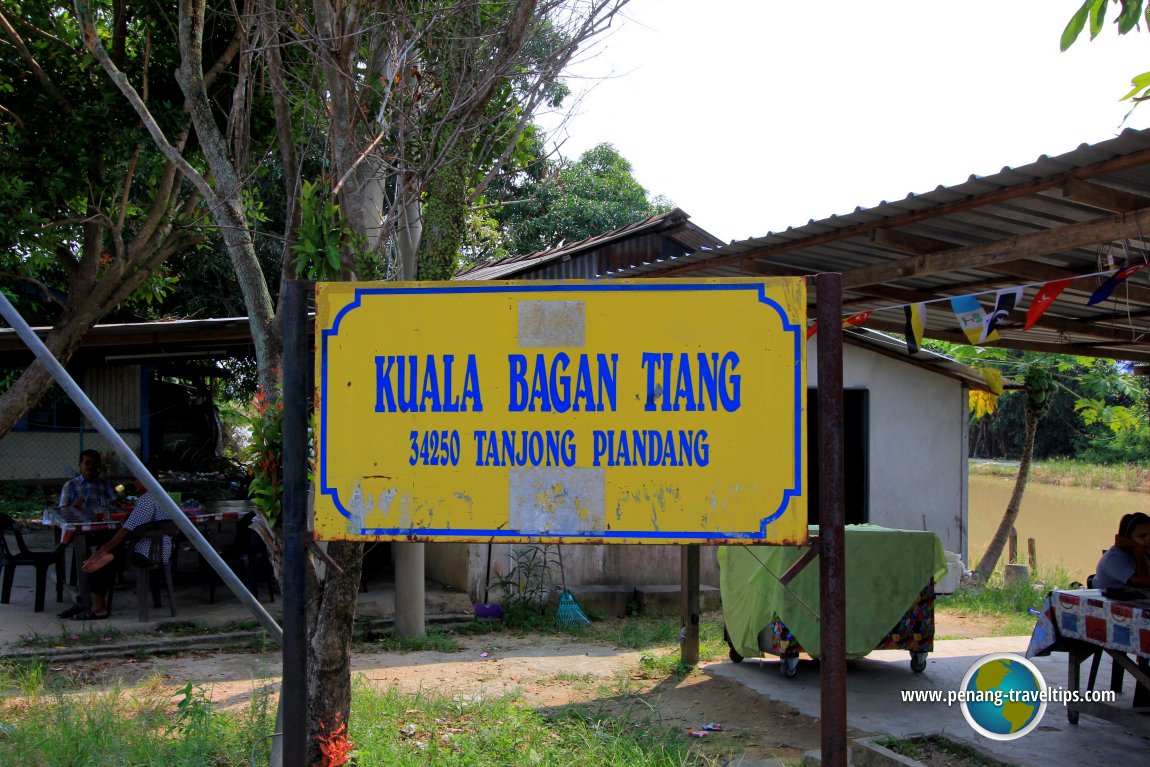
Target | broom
(486,612)
(569,613)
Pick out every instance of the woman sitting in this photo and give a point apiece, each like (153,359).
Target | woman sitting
(1127,562)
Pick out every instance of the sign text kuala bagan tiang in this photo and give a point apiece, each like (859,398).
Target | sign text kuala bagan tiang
(660,411)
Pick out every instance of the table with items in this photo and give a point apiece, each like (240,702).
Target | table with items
(1086,624)
(81,528)
(890,577)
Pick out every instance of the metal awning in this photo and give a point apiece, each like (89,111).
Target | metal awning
(1080,215)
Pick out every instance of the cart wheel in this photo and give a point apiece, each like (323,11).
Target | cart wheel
(918,662)
(732,653)
(789,666)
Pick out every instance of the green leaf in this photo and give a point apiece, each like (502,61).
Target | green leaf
(1140,82)
(1097,17)
(1128,18)
(1074,28)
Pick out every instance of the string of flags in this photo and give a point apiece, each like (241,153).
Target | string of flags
(976,323)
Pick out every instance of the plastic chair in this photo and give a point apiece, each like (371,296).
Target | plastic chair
(253,563)
(12,557)
(154,533)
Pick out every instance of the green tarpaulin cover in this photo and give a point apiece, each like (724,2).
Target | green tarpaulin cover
(885,570)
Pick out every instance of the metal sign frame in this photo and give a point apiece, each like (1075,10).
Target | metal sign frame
(569,321)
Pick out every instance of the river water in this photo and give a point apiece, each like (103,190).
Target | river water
(1071,525)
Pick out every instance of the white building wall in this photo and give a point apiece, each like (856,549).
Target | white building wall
(918,443)
(917,476)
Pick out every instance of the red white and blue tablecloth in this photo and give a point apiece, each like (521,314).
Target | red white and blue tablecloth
(1086,615)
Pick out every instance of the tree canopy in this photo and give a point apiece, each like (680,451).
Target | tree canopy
(414,108)
(551,202)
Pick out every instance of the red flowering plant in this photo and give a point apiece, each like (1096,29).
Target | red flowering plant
(266,455)
(335,747)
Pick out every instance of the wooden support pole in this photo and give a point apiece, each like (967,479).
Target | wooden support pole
(1012,548)
(689,604)
(1032,555)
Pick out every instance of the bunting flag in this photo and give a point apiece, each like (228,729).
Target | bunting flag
(915,322)
(848,322)
(1106,288)
(1004,303)
(1042,301)
(972,319)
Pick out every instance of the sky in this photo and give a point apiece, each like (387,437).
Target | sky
(756,115)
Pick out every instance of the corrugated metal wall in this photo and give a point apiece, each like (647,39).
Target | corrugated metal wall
(52,454)
(116,392)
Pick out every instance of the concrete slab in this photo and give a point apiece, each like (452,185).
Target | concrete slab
(875,705)
(18,622)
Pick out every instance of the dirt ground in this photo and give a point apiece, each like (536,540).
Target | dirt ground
(547,671)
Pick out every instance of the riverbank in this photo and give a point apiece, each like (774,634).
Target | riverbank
(1070,473)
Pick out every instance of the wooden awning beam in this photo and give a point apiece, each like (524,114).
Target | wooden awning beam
(1086,234)
(1103,197)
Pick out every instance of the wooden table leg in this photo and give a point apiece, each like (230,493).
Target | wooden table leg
(1072,682)
(79,552)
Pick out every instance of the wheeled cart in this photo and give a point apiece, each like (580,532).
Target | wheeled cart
(890,577)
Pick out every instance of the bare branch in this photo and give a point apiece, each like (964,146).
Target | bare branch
(92,42)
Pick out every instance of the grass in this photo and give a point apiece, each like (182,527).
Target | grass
(149,725)
(1131,477)
(71,636)
(435,639)
(922,748)
(26,502)
(137,726)
(1009,603)
(658,635)
(393,728)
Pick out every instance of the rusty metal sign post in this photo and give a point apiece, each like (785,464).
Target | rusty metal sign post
(832,556)
(645,411)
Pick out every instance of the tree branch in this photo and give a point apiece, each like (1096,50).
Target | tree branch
(30,60)
(92,42)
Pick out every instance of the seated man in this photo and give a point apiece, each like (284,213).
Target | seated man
(98,566)
(88,489)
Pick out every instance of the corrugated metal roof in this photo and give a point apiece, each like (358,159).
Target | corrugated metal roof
(673,224)
(1073,215)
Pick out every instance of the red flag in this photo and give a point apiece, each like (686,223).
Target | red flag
(848,322)
(1042,301)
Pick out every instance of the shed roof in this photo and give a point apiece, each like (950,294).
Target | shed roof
(673,225)
(1079,215)
(138,341)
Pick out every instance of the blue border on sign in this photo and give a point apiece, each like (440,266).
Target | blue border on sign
(797,332)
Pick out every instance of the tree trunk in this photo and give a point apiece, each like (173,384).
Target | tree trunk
(990,559)
(444,215)
(329,648)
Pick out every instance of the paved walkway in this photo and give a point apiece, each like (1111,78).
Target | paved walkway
(874,703)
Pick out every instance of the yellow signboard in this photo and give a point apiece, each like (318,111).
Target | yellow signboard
(624,411)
